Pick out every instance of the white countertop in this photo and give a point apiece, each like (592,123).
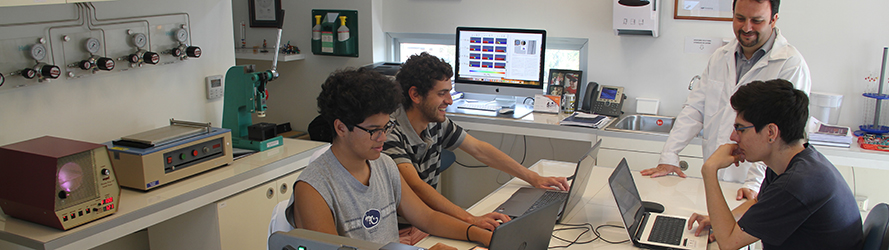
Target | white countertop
(138,210)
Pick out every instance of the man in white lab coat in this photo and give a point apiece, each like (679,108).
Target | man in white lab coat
(760,52)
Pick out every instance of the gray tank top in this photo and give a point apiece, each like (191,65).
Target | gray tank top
(359,211)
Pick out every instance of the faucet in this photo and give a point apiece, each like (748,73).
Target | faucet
(691,83)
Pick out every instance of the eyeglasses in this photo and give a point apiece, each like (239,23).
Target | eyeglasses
(741,129)
(375,134)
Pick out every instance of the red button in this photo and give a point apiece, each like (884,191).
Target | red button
(194,152)
(169,159)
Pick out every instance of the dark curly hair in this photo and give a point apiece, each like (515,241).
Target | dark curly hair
(774,101)
(352,95)
(421,71)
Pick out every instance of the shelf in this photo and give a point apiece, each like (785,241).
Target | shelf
(269,56)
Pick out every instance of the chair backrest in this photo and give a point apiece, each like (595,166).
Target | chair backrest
(876,235)
(279,215)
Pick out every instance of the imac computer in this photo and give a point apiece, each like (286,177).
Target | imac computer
(497,69)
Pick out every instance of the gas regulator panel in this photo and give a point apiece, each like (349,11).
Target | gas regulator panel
(36,53)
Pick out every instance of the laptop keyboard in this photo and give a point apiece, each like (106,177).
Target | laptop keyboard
(546,199)
(480,106)
(667,230)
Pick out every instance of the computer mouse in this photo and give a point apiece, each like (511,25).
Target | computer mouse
(506,111)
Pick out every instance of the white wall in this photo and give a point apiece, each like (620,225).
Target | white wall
(292,96)
(841,42)
(107,106)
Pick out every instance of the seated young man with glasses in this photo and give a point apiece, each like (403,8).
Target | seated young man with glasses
(361,187)
(804,202)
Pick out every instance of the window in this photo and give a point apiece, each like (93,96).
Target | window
(561,53)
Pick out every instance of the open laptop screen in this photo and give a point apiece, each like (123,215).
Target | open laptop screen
(626,195)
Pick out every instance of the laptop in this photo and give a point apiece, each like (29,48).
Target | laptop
(649,229)
(527,199)
(530,232)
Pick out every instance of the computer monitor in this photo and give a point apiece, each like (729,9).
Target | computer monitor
(500,61)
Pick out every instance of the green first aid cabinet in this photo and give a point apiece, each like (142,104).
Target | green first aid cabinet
(335,32)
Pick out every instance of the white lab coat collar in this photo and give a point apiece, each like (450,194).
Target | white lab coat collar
(777,53)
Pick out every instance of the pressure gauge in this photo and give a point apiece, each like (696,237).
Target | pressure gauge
(140,40)
(181,35)
(92,45)
(38,51)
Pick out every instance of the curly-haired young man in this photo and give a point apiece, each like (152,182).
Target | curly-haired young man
(422,130)
(361,187)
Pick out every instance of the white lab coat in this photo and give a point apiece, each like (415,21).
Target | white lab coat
(708,107)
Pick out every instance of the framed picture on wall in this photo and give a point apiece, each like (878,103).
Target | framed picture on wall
(264,13)
(712,10)
(569,79)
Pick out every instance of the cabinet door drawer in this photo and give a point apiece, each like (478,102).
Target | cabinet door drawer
(641,145)
(640,160)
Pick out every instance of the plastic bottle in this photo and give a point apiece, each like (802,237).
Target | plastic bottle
(316,35)
(343,31)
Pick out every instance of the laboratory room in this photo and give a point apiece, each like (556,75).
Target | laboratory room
(207,124)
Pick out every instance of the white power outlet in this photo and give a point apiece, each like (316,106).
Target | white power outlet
(862,203)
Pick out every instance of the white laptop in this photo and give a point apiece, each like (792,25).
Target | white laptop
(528,199)
(649,229)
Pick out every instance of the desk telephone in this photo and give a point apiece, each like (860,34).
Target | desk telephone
(603,99)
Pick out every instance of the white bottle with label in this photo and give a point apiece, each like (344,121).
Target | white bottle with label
(343,31)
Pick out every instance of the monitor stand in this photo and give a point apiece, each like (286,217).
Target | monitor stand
(519,110)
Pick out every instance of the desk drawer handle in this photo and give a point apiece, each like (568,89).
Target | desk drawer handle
(683,166)
(284,188)
(270,193)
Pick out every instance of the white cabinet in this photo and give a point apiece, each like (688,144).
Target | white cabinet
(244,217)
(643,154)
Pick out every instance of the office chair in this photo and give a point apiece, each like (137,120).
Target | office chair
(876,235)
(447,159)
(279,213)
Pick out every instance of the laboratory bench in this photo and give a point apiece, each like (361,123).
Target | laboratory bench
(140,210)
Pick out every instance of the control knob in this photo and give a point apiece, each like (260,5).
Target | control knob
(193,51)
(50,71)
(29,73)
(176,52)
(105,63)
(85,64)
(106,172)
(151,57)
(133,58)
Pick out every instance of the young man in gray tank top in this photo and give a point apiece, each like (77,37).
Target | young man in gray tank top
(361,187)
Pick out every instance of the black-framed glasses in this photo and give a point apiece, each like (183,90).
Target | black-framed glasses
(739,128)
(375,134)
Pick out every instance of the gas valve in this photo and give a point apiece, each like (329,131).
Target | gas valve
(42,71)
(183,51)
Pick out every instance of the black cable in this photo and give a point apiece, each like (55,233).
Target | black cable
(596,231)
(526,100)
(587,227)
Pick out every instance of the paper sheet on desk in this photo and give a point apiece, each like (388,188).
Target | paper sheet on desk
(586,120)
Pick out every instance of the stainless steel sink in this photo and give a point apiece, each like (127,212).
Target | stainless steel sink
(643,123)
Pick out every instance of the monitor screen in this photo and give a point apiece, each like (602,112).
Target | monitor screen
(500,58)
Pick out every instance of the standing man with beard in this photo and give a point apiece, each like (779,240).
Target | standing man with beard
(421,132)
(760,52)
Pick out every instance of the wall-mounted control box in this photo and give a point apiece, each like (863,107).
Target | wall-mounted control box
(215,87)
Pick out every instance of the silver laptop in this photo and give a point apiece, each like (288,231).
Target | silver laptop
(530,232)
(527,199)
(648,229)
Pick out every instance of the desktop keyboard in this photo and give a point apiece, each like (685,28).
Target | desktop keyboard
(667,230)
(480,106)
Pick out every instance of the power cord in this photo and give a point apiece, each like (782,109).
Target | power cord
(587,227)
